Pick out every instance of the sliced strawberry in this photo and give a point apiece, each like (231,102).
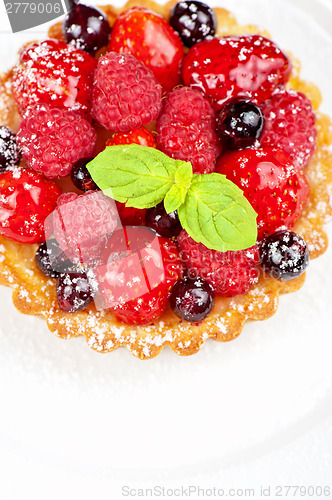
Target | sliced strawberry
(276,189)
(137,278)
(26,199)
(141,136)
(55,73)
(222,68)
(148,37)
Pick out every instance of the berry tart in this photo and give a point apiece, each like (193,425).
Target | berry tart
(164,176)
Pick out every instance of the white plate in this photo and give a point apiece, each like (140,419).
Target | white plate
(112,415)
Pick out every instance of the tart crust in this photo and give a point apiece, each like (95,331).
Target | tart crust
(35,295)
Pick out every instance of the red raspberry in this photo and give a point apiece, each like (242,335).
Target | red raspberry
(53,140)
(276,189)
(250,65)
(140,271)
(26,199)
(290,125)
(229,273)
(149,37)
(186,129)
(82,224)
(141,136)
(126,95)
(55,73)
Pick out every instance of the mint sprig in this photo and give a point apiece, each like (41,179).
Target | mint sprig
(216,213)
(212,209)
(136,175)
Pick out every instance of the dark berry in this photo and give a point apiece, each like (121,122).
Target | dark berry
(50,260)
(71,3)
(167,225)
(192,299)
(240,123)
(81,177)
(194,21)
(73,291)
(284,255)
(86,28)
(9,151)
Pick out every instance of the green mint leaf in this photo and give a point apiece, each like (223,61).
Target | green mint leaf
(217,214)
(174,198)
(136,175)
(176,195)
(183,174)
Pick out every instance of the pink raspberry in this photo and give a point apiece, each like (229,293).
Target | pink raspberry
(229,273)
(186,129)
(53,140)
(126,94)
(290,125)
(82,224)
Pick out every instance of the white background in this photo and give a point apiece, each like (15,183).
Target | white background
(257,411)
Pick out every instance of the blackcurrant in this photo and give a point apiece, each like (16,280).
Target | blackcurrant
(73,291)
(167,225)
(9,151)
(81,177)
(192,299)
(86,28)
(284,255)
(239,123)
(50,260)
(194,21)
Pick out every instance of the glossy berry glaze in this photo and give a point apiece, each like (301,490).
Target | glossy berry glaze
(54,73)
(86,28)
(73,291)
(222,68)
(192,299)
(275,188)
(149,38)
(141,136)
(167,225)
(26,199)
(284,255)
(240,123)
(194,21)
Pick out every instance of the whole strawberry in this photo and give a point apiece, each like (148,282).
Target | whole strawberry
(186,129)
(249,65)
(141,136)
(290,125)
(130,216)
(82,224)
(54,73)
(229,273)
(276,189)
(147,36)
(26,199)
(139,273)
(126,95)
(53,139)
